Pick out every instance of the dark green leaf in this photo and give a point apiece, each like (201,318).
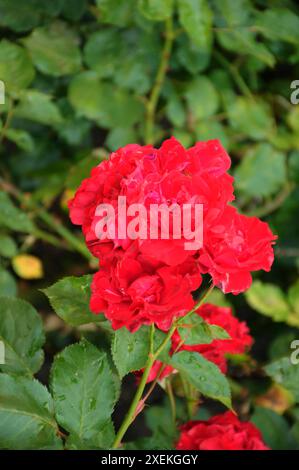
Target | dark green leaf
(26,415)
(84,391)
(196,18)
(54,49)
(130,350)
(12,217)
(21,330)
(286,374)
(203,375)
(156,9)
(70,297)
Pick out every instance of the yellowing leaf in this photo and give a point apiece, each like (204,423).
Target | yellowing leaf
(28,266)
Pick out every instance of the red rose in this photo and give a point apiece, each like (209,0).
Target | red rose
(235,246)
(136,290)
(148,176)
(222,432)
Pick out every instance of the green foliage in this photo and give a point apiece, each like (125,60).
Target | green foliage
(84,391)
(130,350)
(285,373)
(27,415)
(80,78)
(199,371)
(69,298)
(22,333)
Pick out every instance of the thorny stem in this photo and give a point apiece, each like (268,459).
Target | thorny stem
(171,397)
(135,405)
(156,90)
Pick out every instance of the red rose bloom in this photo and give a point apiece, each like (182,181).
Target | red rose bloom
(137,290)
(144,280)
(148,176)
(222,432)
(235,246)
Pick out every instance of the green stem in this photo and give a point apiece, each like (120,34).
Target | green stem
(156,90)
(240,82)
(133,410)
(171,398)
(131,414)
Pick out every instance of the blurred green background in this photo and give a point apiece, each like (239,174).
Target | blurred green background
(83,78)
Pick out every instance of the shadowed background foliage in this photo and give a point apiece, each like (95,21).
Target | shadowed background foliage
(83,78)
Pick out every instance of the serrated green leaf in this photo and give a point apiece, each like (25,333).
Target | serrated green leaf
(54,49)
(269,300)
(103,439)
(70,297)
(252,176)
(26,415)
(155,9)
(286,374)
(21,330)
(203,375)
(84,390)
(130,350)
(12,217)
(16,69)
(195,330)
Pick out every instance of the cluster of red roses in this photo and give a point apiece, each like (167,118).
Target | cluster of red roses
(146,281)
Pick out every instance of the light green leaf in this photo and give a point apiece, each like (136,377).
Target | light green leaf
(70,297)
(269,300)
(12,217)
(84,391)
(130,350)
(54,49)
(195,330)
(202,98)
(37,106)
(102,50)
(253,118)
(21,330)
(119,137)
(252,176)
(156,9)
(279,24)
(16,69)
(103,102)
(8,247)
(26,415)
(286,374)
(293,297)
(196,18)
(103,439)
(118,12)
(208,129)
(203,375)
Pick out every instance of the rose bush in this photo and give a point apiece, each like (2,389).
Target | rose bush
(185,102)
